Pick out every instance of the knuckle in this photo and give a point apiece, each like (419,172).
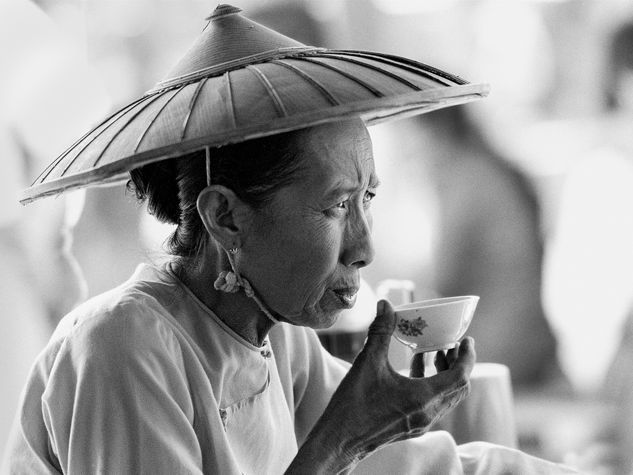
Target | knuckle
(467,388)
(463,385)
(462,392)
(462,376)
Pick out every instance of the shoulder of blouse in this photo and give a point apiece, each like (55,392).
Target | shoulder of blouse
(123,321)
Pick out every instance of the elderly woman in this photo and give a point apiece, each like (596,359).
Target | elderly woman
(210,363)
(186,368)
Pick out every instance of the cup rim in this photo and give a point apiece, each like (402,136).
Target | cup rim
(437,302)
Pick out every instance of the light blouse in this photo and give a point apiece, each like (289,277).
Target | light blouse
(145,379)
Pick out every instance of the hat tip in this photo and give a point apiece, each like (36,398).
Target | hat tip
(223,9)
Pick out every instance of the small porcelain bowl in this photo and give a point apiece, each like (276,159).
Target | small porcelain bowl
(436,324)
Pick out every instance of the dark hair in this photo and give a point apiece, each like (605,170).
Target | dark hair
(620,59)
(254,170)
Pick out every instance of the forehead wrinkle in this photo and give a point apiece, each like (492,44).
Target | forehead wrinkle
(366,163)
(355,148)
(360,163)
(348,147)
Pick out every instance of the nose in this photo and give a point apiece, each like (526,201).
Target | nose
(358,246)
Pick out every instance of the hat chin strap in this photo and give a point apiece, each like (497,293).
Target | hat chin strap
(231,281)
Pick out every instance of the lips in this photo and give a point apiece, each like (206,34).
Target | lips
(346,296)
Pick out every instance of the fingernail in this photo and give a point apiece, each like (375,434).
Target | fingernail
(381,307)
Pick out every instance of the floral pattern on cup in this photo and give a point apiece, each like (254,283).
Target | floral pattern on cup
(412,327)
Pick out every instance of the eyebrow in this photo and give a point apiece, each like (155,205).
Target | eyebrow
(342,186)
(374,181)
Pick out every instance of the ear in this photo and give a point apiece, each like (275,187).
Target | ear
(224,215)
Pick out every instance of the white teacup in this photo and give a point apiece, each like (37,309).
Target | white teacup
(436,324)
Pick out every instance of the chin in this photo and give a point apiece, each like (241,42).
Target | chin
(331,319)
(318,320)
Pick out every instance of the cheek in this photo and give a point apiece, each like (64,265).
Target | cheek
(315,259)
(295,262)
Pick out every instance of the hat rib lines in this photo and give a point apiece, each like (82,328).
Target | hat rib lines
(416,69)
(192,104)
(230,106)
(122,128)
(123,111)
(331,67)
(151,122)
(239,81)
(376,68)
(270,89)
(113,117)
(316,84)
(409,65)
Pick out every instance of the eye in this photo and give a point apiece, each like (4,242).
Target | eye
(338,210)
(369,196)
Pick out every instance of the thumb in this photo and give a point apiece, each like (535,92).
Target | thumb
(381,329)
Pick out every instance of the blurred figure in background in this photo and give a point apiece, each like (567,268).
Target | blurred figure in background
(42,108)
(24,316)
(620,394)
(619,100)
(588,291)
(490,243)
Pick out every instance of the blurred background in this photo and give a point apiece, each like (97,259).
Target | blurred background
(524,198)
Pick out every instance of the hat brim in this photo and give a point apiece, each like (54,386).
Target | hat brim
(371,111)
(279,93)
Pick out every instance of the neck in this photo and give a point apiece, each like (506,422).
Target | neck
(236,310)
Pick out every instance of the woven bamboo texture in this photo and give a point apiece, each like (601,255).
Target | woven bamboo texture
(240,81)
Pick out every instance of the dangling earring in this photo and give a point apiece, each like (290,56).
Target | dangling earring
(230,281)
(227,280)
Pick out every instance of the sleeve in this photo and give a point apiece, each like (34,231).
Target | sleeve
(117,400)
(483,458)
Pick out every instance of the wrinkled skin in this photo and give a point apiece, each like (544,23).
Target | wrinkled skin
(375,405)
(303,253)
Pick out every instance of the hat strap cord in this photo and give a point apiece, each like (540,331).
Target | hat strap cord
(230,283)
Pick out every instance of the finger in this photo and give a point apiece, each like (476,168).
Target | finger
(381,329)
(457,375)
(466,355)
(441,361)
(451,355)
(417,366)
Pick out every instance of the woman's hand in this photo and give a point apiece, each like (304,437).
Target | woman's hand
(374,405)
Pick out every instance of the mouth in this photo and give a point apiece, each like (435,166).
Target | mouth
(346,296)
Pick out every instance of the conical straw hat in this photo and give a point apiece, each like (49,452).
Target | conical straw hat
(241,80)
